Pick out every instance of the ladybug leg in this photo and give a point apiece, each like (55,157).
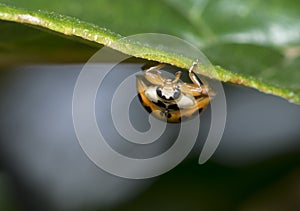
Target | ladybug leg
(197,89)
(192,76)
(154,76)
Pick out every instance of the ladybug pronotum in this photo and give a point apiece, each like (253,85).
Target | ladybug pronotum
(170,99)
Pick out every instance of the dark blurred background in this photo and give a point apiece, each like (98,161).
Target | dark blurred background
(256,166)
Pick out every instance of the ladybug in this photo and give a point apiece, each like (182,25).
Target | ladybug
(169,99)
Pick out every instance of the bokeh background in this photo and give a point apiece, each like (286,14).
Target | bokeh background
(256,166)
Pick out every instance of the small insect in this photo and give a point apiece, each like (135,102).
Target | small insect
(169,99)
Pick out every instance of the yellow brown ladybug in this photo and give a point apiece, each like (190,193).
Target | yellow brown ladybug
(170,99)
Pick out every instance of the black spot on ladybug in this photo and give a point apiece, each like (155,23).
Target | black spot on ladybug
(169,115)
(160,104)
(173,107)
(148,109)
(140,97)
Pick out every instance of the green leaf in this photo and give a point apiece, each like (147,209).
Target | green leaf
(257,41)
